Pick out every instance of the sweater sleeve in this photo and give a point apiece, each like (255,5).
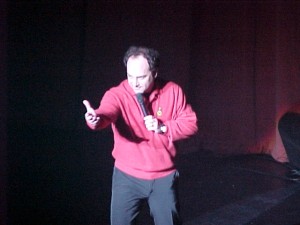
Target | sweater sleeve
(184,120)
(108,109)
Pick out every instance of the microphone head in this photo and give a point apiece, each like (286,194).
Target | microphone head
(140,98)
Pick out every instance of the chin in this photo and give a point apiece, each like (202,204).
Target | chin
(138,91)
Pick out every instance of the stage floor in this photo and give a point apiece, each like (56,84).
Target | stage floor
(64,178)
(235,190)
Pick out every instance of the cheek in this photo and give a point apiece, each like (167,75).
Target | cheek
(130,82)
(149,81)
(144,82)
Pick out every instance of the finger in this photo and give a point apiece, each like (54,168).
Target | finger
(89,116)
(148,123)
(95,121)
(87,105)
(151,123)
(89,108)
(148,118)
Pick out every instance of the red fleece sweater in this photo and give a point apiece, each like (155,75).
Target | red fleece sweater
(141,153)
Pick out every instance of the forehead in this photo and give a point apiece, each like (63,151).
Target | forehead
(137,65)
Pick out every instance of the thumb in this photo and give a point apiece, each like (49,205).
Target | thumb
(88,106)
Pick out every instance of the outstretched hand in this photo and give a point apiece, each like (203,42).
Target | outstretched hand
(90,115)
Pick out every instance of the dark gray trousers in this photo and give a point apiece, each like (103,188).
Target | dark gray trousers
(289,129)
(128,194)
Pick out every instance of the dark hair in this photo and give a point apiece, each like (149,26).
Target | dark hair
(151,55)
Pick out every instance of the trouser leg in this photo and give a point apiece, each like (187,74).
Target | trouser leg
(126,199)
(289,129)
(163,200)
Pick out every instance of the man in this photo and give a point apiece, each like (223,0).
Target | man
(289,129)
(147,116)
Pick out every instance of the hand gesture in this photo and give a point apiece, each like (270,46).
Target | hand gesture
(90,115)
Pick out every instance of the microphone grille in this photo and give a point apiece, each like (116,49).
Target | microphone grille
(140,98)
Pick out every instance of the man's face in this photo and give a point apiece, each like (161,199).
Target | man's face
(139,77)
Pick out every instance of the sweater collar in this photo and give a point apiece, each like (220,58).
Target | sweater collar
(152,95)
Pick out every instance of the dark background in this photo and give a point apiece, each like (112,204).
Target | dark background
(238,62)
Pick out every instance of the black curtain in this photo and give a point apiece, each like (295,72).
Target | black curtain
(237,61)
(3,113)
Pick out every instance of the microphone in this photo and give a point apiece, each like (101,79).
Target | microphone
(140,100)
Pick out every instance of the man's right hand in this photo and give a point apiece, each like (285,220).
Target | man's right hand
(90,115)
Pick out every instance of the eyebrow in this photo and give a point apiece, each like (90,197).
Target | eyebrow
(137,76)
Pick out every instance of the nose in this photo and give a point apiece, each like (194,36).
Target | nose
(135,82)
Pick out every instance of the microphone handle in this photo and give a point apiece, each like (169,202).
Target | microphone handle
(142,104)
